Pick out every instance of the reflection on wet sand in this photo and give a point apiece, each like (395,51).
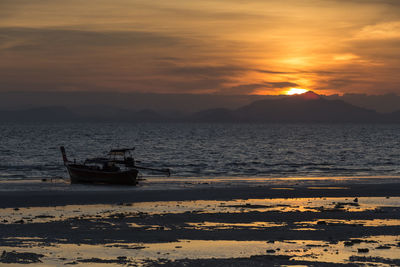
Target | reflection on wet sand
(297,250)
(47,214)
(218,225)
(367,223)
(363,230)
(327,187)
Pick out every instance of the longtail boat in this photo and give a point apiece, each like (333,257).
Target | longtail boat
(118,168)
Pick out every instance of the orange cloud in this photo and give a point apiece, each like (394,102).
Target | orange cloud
(218,47)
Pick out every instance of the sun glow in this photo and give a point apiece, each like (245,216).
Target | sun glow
(295,91)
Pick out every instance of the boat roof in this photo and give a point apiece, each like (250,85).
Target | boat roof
(120,151)
(97,160)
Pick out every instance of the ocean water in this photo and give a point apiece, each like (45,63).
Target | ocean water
(31,151)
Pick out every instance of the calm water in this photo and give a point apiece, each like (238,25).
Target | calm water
(208,150)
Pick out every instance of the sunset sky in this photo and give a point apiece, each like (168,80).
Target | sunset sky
(220,47)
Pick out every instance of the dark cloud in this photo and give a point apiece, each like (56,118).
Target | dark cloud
(210,15)
(275,72)
(339,83)
(62,59)
(374,85)
(206,71)
(280,84)
(173,85)
(223,74)
(250,88)
(319,72)
(80,77)
(25,39)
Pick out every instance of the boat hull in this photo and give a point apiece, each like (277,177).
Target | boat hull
(84,174)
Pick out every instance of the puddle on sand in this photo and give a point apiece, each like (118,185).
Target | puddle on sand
(282,188)
(211,226)
(310,204)
(367,223)
(46,214)
(149,227)
(220,226)
(327,187)
(305,229)
(204,249)
(24,242)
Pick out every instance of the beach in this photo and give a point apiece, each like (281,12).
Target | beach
(199,133)
(327,221)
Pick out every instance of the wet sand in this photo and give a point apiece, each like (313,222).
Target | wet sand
(248,225)
(99,194)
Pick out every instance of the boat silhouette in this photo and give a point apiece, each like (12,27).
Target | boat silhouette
(117,168)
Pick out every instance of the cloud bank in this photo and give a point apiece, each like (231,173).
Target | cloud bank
(215,47)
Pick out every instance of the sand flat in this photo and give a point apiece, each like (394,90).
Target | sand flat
(330,225)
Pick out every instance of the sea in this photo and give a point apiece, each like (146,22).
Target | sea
(31,151)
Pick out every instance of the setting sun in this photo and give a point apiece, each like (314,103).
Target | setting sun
(295,91)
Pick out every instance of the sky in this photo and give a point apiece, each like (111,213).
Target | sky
(200,47)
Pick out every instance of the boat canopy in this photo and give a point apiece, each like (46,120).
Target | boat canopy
(97,160)
(120,151)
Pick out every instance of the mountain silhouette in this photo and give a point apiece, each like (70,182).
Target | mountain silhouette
(307,107)
(394,116)
(44,114)
(107,113)
(85,114)
(213,115)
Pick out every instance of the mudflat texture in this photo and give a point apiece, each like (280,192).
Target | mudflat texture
(330,225)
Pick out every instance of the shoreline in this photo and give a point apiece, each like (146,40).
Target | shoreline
(99,194)
(325,223)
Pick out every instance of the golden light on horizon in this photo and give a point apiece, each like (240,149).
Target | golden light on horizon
(296,91)
(224,47)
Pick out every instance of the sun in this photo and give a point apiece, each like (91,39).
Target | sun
(296,91)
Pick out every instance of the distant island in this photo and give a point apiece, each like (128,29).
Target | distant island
(304,108)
